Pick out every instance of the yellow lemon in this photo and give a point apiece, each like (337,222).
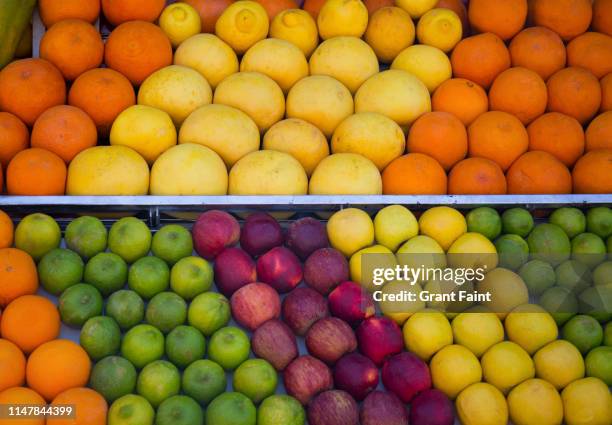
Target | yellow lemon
(560,363)
(421,252)
(454,368)
(444,224)
(396,304)
(372,135)
(149,131)
(107,171)
(255,94)
(473,250)
(531,327)
(390,31)
(300,139)
(242,24)
(506,365)
(296,26)
(477,331)
(350,230)
(440,28)
(278,59)
(426,332)
(535,402)
(416,8)
(363,263)
(429,64)
(268,173)
(213,125)
(209,55)
(394,225)
(507,291)
(342,17)
(587,402)
(189,169)
(179,21)
(346,174)
(441,288)
(482,404)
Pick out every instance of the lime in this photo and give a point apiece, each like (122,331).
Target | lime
(113,377)
(129,238)
(596,301)
(158,381)
(571,220)
(204,380)
(191,276)
(560,302)
(589,249)
(608,335)
(599,221)
(538,276)
(149,276)
(79,303)
(100,337)
(517,221)
(209,312)
(584,332)
(548,242)
(131,410)
(179,410)
(142,345)
(166,311)
(484,220)
(281,409)
(573,275)
(231,409)
(256,379)
(107,272)
(513,251)
(171,243)
(599,364)
(126,307)
(184,345)
(229,347)
(60,269)
(86,236)
(37,234)
(602,275)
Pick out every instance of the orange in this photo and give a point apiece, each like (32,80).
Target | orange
(90,407)
(498,136)
(505,18)
(6,230)
(12,365)
(57,366)
(593,172)
(520,92)
(414,174)
(209,11)
(137,49)
(538,172)
(538,49)
(462,98)
(52,11)
(28,87)
(374,5)
(568,18)
(274,7)
(574,92)
(560,135)
(313,7)
(458,7)
(476,176)
(606,93)
(64,130)
(18,275)
(74,46)
(480,58)
(30,321)
(120,11)
(592,51)
(20,395)
(36,172)
(14,137)
(599,132)
(440,135)
(602,16)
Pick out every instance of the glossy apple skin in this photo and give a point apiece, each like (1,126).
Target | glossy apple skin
(260,233)
(280,268)
(351,303)
(406,375)
(356,374)
(432,407)
(254,304)
(329,339)
(325,269)
(305,377)
(214,231)
(333,407)
(274,341)
(305,236)
(379,338)
(302,307)
(383,408)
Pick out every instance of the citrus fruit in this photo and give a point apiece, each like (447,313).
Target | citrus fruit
(52,12)
(166,311)
(179,410)
(37,234)
(131,409)
(535,401)
(599,221)
(281,408)
(512,250)
(203,380)
(59,269)
(363,263)
(477,331)
(179,22)
(416,9)
(538,275)
(587,398)
(390,30)
(517,221)
(426,332)
(107,272)
(21,395)
(573,275)
(440,28)
(208,312)
(564,95)
(6,230)
(18,274)
(229,347)
(191,276)
(571,220)
(91,406)
(126,307)
(484,220)
(506,365)
(122,11)
(558,134)
(86,236)
(608,335)
(12,365)
(149,276)
(255,378)
(584,332)
(346,174)
(342,18)
(599,364)
(421,251)
(472,250)
(142,345)
(559,363)
(79,303)
(231,408)
(393,225)
(463,98)
(298,27)
(482,404)
(130,238)
(548,242)
(100,337)
(531,327)
(504,20)
(398,311)
(437,288)
(589,249)
(350,230)
(158,381)
(506,288)
(443,224)
(560,302)
(172,243)
(113,377)
(453,368)
(602,274)
(184,345)
(596,302)
(242,24)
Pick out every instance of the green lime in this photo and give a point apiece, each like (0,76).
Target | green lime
(256,379)
(573,275)
(517,221)
(209,312)
(113,377)
(608,335)
(599,364)
(486,221)
(184,345)
(87,236)
(126,307)
(158,381)
(596,301)
(142,345)
(37,234)
(571,220)
(100,337)
(538,275)
(149,276)
(589,249)
(602,275)
(281,409)
(166,311)
(129,238)
(107,272)
(548,242)
(584,332)
(560,302)
(79,303)
(599,221)
(179,410)
(229,347)
(59,269)
(609,246)
(171,243)
(512,250)
(191,276)
(204,380)
(131,409)
(231,409)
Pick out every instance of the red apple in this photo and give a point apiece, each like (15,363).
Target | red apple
(280,268)
(213,232)
(329,339)
(406,375)
(356,374)
(431,407)
(305,236)
(351,303)
(333,407)
(302,307)
(379,338)
(233,269)
(260,233)
(254,304)
(273,341)
(324,269)
(305,377)
(382,408)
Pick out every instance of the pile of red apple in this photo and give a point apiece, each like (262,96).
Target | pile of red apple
(349,347)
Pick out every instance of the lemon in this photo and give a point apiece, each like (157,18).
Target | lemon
(473,250)
(179,21)
(350,230)
(587,402)
(389,31)
(342,17)
(506,365)
(444,224)
(376,256)
(296,26)
(393,225)
(242,24)
(416,8)
(439,287)
(346,174)
(453,368)
(440,28)
(400,311)
(278,59)
(429,64)
(506,288)
(477,331)
(149,131)
(427,332)
(531,327)
(482,404)
(535,402)
(560,363)
(421,252)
